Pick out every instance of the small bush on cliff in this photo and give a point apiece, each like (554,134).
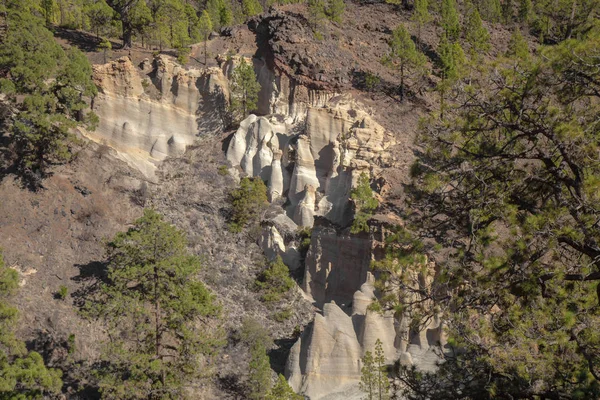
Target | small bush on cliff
(248,201)
(275,281)
(365,204)
(244,90)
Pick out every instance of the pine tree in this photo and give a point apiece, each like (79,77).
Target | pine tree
(100,15)
(244,90)
(251,8)
(525,13)
(259,379)
(383,383)
(48,7)
(451,60)
(421,16)
(275,281)
(158,316)
(368,378)
(316,14)
(52,86)
(205,28)
(225,13)
(23,374)
(524,214)
(335,10)
(365,204)
(213,8)
(450,21)
(507,11)
(282,391)
(476,35)
(404,55)
(518,47)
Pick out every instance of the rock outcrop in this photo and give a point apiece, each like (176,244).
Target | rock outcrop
(326,360)
(155,111)
(314,164)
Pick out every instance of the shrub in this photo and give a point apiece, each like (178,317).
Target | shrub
(223,170)
(365,204)
(283,315)
(248,201)
(62,293)
(274,282)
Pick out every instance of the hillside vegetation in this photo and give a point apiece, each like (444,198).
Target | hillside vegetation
(502,196)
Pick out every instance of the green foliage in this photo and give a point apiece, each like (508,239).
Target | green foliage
(244,90)
(371,81)
(71,344)
(220,13)
(525,13)
(48,7)
(519,159)
(251,8)
(62,293)
(404,55)
(252,332)
(304,237)
(282,391)
(283,315)
(365,204)
(52,84)
(100,16)
(518,48)
(247,201)
(275,281)
(368,382)
(450,21)
(158,315)
(205,27)
(559,20)
(335,10)
(23,374)
(316,14)
(476,35)
(451,60)
(223,170)
(399,274)
(259,372)
(374,380)
(421,16)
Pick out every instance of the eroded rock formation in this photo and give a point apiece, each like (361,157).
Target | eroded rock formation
(314,164)
(156,110)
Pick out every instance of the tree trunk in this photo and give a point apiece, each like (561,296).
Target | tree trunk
(127,35)
(205,49)
(401,82)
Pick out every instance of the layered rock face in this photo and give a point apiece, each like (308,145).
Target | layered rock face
(313,164)
(325,363)
(155,111)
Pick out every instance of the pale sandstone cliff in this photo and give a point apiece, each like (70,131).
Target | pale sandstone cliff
(155,111)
